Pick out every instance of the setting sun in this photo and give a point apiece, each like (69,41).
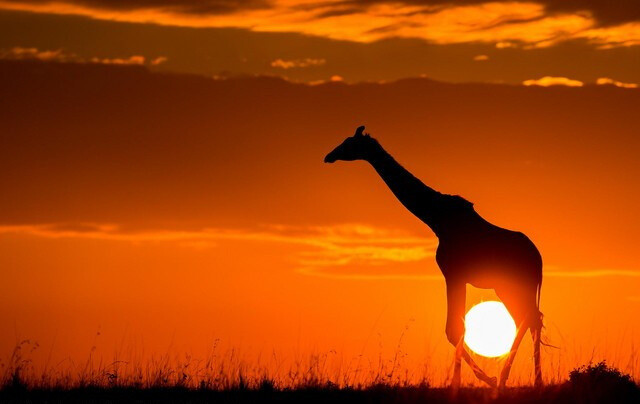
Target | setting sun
(490,330)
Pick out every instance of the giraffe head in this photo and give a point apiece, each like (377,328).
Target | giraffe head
(357,147)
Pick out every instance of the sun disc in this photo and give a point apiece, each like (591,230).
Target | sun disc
(489,329)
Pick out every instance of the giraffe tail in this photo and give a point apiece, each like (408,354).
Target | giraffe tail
(541,323)
(536,324)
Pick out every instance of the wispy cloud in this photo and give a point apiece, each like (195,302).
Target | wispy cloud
(22,53)
(159,60)
(596,273)
(608,81)
(614,36)
(548,81)
(62,56)
(340,246)
(368,275)
(333,79)
(131,60)
(348,251)
(297,63)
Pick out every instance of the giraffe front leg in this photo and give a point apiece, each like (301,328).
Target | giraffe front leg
(457,367)
(492,381)
(455,327)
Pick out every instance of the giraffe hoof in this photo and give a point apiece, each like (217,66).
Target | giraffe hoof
(493,382)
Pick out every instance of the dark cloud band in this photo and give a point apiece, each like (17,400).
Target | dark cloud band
(203,7)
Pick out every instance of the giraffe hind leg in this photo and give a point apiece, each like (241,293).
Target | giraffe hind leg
(504,375)
(536,335)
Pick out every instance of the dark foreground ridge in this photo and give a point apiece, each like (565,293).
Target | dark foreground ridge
(564,393)
(589,384)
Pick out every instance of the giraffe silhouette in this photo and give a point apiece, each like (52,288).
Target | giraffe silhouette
(470,250)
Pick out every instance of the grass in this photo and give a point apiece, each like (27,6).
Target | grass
(592,384)
(226,379)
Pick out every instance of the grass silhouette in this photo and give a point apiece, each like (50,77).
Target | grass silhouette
(225,378)
(590,384)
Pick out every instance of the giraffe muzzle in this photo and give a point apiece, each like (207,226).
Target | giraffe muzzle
(330,158)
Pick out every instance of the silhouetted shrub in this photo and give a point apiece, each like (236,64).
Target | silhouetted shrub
(602,383)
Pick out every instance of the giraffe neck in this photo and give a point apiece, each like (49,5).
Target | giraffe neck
(419,199)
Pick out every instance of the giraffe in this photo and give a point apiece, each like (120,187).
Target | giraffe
(470,250)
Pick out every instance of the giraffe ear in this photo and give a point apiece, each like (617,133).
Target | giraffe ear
(359,131)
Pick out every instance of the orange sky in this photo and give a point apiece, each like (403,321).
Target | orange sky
(167,210)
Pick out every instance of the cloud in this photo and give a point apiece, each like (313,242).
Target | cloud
(20,53)
(297,63)
(607,81)
(480,58)
(159,60)
(61,56)
(505,45)
(347,251)
(131,60)
(526,23)
(333,79)
(604,11)
(614,36)
(596,273)
(326,248)
(348,244)
(196,7)
(547,81)
(367,276)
